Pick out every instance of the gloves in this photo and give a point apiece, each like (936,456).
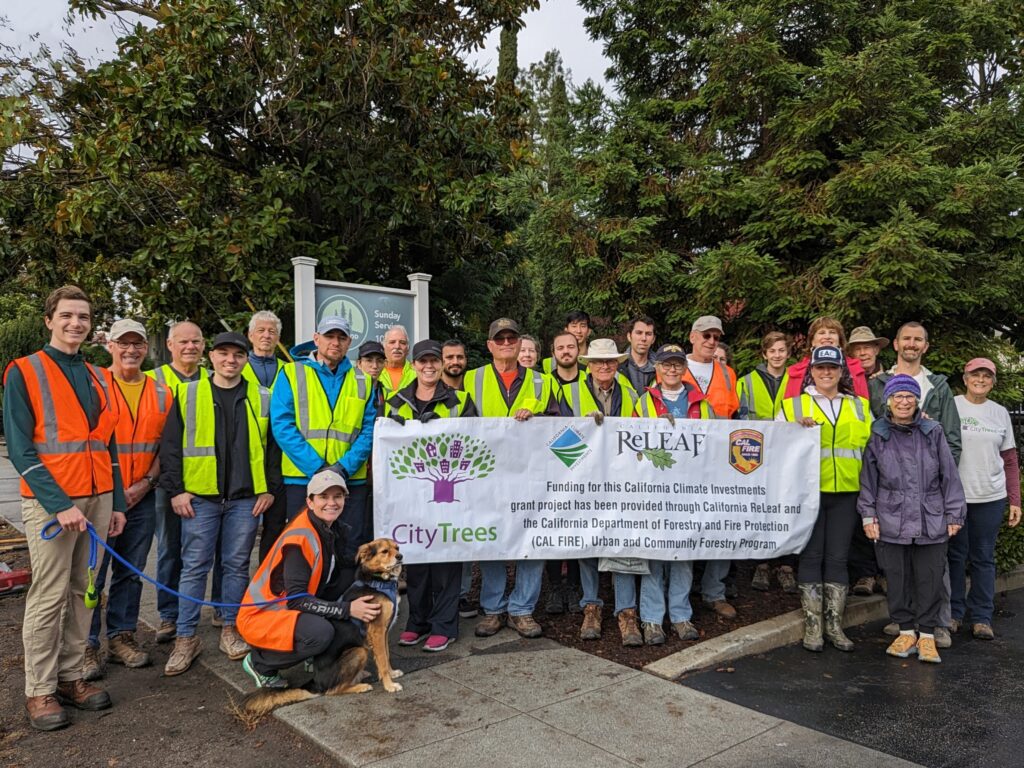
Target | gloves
(397,417)
(428,416)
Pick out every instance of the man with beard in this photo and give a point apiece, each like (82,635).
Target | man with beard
(638,368)
(453,363)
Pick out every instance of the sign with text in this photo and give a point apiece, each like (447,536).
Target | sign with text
(370,310)
(550,488)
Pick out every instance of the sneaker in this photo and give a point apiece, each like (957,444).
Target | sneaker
(555,604)
(411,638)
(591,627)
(983,632)
(653,633)
(903,646)
(93,667)
(942,638)
(123,649)
(525,626)
(167,631)
(490,625)
(865,586)
(787,580)
(232,644)
(926,651)
(261,680)
(436,643)
(891,629)
(685,630)
(762,578)
(631,637)
(185,651)
(722,609)
(466,609)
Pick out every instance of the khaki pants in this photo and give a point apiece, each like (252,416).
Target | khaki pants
(56,624)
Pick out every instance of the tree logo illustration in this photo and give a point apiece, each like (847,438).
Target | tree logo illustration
(445,461)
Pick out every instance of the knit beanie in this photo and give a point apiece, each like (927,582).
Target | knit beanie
(901,382)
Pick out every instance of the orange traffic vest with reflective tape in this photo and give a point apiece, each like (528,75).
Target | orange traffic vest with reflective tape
(721,393)
(76,456)
(138,439)
(272,627)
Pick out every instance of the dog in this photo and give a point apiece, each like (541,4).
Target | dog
(378,565)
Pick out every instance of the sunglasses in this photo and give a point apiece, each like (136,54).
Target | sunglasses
(130,344)
(711,335)
(505,341)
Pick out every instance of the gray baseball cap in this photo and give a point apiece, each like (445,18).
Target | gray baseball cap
(321,481)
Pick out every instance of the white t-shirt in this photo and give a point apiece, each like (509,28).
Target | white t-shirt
(702,373)
(986,430)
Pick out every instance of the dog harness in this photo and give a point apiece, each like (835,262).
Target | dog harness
(387,588)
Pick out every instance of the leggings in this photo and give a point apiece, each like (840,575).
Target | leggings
(824,556)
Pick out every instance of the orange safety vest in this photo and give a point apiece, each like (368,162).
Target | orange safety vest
(272,627)
(138,439)
(78,458)
(721,394)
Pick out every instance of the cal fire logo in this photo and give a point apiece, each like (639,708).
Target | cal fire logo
(746,450)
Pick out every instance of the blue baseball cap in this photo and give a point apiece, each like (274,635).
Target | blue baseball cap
(335,323)
(827,356)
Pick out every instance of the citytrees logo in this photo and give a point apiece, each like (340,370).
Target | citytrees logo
(445,461)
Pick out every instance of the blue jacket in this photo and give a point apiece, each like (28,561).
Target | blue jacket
(291,441)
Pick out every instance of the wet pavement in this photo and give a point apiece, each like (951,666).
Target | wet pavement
(963,712)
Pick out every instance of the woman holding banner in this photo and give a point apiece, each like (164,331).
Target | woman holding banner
(845,421)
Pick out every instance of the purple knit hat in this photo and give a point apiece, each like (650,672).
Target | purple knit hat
(901,382)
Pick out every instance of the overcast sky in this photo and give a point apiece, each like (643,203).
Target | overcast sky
(558,24)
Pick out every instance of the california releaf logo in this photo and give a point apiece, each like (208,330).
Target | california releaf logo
(746,450)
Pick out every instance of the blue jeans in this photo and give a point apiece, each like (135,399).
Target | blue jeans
(233,521)
(168,555)
(624,585)
(125,586)
(976,542)
(525,593)
(679,575)
(712,583)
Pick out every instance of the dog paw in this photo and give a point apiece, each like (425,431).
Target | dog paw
(393,687)
(396,673)
(362,688)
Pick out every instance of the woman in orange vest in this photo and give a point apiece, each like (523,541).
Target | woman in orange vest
(307,559)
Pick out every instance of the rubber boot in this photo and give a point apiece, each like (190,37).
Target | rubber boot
(835,607)
(810,602)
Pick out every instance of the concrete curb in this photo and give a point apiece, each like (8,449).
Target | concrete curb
(782,630)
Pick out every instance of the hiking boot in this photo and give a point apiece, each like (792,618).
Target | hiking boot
(82,695)
(631,637)
(261,680)
(525,626)
(93,667)
(835,607)
(555,605)
(654,634)
(490,625)
(891,629)
(123,649)
(411,638)
(926,650)
(722,609)
(185,651)
(865,586)
(762,580)
(787,580)
(685,630)
(983,632)
(167,631)
(573,597)
(903,646)
(942,638)
(810,603)
(954,625)
(466,609)
(232,644)
(437,643)
(591,628)
(45,713)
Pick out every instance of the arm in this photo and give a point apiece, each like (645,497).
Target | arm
(287,435)
(953,498)
(272,465)
(1011,468)
(360,450)
(296,573)
(949,417)
(170,454)
(868,498)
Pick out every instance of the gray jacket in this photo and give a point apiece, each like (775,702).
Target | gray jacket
(938,405)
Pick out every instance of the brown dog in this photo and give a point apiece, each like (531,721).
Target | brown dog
(378,565)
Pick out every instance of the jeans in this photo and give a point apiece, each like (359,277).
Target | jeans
(525,593)
(712,583)
(233,521)
(624,585)
(168,555)
(976,542)
(125,587)
(678,574)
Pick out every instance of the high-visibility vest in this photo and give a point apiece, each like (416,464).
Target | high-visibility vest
(138,438)
(842,444)
(486,389)
(198,438)
(166,376)
(384,381)
(548,366)
(647,409)
(77,457)
(582,401)
(401,406)
(754,397)
(250,375)
(272,627)
(329,432)
(721,391)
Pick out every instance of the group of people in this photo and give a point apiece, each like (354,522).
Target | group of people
(201,457)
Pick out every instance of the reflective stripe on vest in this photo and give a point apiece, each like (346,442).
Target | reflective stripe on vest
(405,409)
(166,376)
(646,409)
(842,444)
(754,397)
(138,438)
(484,382)
(577,395)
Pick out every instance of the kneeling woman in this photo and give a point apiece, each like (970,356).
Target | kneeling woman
(307,559)
(911,502)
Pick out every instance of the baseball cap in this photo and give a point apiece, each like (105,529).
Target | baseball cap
(334,323)
(230,339)
(707,323)
(980,363)
(826,356)
(426,348)
(502,324)
(668,352)
(368,348)
(321,481)
(121,327)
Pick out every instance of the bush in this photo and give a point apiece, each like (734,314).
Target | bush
(1009,548)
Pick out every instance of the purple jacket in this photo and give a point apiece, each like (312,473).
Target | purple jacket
(909,482)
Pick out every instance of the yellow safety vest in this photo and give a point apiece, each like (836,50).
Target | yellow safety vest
(404,409)
(166,376)
(384,381)
(754,397)
(198,438)
(329,432)
(582,401)
(842,444)
(486,388)
(250,375)
(645,408)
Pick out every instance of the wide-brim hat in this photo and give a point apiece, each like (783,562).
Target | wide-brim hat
(864,335)
(603,349)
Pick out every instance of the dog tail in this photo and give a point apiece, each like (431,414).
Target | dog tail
(266,700)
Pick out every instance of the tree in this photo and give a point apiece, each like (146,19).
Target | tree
(444,461)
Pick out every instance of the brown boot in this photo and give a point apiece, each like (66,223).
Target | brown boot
(45,713)
(628,628)
(722,609)
(591,629)
(184,653)
(491,624)
(123,649)
(82,695)
(526,626)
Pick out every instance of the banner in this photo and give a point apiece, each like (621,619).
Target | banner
(552,488)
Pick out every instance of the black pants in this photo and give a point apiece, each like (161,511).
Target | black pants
(317,638)
(824,557)
(554,571)
(916,588)
(274,521)
(862,560)
(354,515)
(433,594)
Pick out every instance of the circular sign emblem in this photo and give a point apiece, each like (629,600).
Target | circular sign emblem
(347,307)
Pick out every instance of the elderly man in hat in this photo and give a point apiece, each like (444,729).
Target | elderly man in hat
(865,346)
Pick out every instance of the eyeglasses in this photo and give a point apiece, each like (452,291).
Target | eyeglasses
(710,335)
(673,366)
(505,341)
(131,344)
(904,397)
(603,363)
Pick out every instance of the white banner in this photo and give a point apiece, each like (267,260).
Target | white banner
(550,488)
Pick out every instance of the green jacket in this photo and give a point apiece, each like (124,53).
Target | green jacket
(938,405)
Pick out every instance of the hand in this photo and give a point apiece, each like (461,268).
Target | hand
(72,519)
(263,502)
(1014,516)
(182,505)
(118,521)
(133,493)
(952,530)
(524,414)
(364,609)
(807,421)
(872,531)
(597,416)
(397,418)
(670,417)
(429,416)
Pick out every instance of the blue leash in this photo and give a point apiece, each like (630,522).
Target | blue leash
(92,595)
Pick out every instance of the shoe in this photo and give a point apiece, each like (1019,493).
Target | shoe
(891,629)
(882,584)
(942,638)
(926,650)
(810,603)
(722,609)
(45,713)
(731,590)
(983,632)
(835,607)
(787,580)
(261,680)
(865,586)
(628,628)
(685,630)
(82,695)
(167,631)
(185,651)
(903,646)
(217,620)
(232,644)
(762,580)
(591,628)
(525,626)
(573,596)
(93,667)
(466,609)
(654,634)
(954,625)
(437,643)
(411,638)
(123,649)
(555,605)
(490,625)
